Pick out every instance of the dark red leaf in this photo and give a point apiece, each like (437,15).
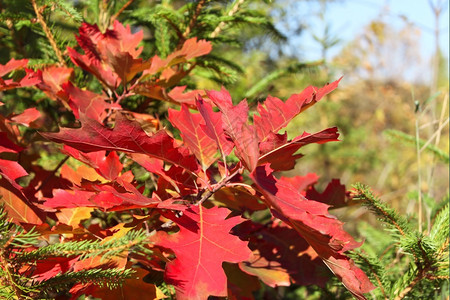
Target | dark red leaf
(280,253)
(322,231)
(334,194)
(126,136)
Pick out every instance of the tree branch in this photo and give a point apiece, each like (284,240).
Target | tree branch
(49,34)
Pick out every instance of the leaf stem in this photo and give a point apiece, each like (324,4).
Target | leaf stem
(45,181)
(218,186)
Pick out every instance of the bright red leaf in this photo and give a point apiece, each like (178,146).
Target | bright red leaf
(282,157)
(202,244)
(235,124)
(195,138)
(12,65)
(213,126)
(275,114)
(27,117)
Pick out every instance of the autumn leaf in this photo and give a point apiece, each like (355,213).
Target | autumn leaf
(30,78)
(334,195)
(240,284)
(235,124)
(213,126)
(202,244)
(195,138)
(126,136)
(52,79)
(280,153)
(20,210)
(281,256)
(108,166)
(302,183)
(87,103)
(27,117)
(132,288)
(275,114)
(311,220)
(12,65)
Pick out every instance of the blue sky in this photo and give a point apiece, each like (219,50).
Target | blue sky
(348,18)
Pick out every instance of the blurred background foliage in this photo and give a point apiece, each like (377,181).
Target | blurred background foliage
(383,111)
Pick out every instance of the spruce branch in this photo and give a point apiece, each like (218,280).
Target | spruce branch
(48,33)
(132,241)
(375,268)
(389,215)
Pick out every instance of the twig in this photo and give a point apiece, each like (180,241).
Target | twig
(197,12)
(217,186)
(117,14)
(48,33)
(45,181)
(221,25)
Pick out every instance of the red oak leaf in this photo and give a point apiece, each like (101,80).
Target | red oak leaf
(281,256)
(30,78)
(213,126)
(311,220)
(168,77)
(84,102)
(175,179)
(235,124)
(50,267)
(334,194)
(7,146)
(10,170)
(189,124)
(275,114)
(190,49)
(239,198)
(282,157)
(27,117)
(19,209)
(52,79)
(179,96)
(240,284)
(203,243)
(126,136)
(302,183)
(109,166)
(12,65)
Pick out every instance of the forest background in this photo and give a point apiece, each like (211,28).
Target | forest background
(394,90)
